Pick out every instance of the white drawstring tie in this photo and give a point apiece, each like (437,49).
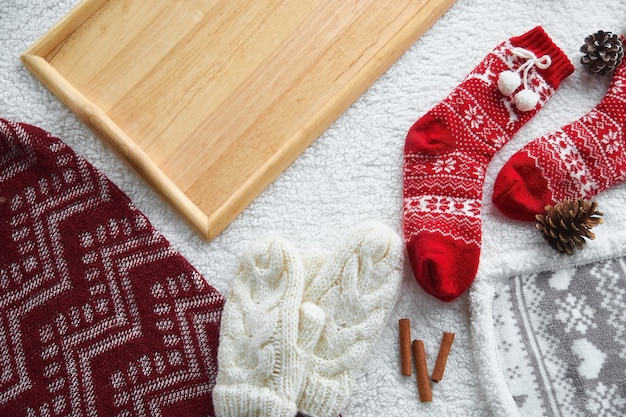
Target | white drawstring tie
(509,81)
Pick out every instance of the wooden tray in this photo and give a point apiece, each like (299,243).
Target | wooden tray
(210,100)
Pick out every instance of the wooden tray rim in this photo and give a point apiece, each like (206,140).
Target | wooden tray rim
(36,60)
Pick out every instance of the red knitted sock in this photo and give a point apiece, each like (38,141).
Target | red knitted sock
(99,316)
(448,149)
(578,160)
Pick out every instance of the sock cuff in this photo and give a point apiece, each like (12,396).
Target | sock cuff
(539,42)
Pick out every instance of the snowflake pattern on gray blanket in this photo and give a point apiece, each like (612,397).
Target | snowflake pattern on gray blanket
(562,340)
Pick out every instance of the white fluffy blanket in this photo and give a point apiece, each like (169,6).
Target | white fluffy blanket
(353,172)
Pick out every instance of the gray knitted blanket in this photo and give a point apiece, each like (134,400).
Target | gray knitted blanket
(562,340)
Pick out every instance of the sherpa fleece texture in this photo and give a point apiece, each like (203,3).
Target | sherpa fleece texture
(353,173)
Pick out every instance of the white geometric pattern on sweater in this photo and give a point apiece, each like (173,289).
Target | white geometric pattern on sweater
(39,267)
(85,277)
(66,337)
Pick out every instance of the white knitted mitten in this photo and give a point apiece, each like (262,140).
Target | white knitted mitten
(357,287)
(265,335)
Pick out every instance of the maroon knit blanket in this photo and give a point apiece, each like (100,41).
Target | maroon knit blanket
(99,316)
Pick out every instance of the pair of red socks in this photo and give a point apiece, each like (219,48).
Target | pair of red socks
(448,149)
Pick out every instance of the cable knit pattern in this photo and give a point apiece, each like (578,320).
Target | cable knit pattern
(263,338)
(292,312)
(356,287)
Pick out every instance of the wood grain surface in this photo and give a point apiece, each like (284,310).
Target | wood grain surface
(210,100)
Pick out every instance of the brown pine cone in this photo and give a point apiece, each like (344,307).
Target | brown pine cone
(568,223)
(603,52)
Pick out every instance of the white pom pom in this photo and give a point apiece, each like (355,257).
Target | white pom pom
(508,81)
(526,100)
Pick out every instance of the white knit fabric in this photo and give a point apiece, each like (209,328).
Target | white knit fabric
(356,287)
(265,331)
(299,323)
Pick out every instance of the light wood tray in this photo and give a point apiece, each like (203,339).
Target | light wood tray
(210,100)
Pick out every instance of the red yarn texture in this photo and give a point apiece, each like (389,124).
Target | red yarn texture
(99,316)
(446,156)
(579,160)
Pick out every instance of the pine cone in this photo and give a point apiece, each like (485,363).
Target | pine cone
(603,52)
(566,224)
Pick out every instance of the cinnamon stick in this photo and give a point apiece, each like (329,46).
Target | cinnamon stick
(442,356)
(405,347)
(421,370)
